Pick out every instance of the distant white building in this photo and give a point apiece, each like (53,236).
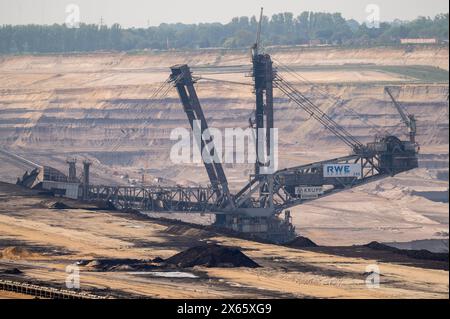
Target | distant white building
(419,41)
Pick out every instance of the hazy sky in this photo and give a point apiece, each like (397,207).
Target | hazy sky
(153,12)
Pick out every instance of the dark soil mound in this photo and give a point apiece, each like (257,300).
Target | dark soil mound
(102,205)
(12,271)
(187,231)
(417,254)
(118,264)
(59,205)
(426,254)
(132,211)
(211,255)
(301,242)
(157,260)
(379,246)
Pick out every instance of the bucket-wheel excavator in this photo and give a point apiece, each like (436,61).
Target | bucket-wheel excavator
(255,209)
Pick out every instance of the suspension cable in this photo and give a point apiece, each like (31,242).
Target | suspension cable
(314,111)
(330,97)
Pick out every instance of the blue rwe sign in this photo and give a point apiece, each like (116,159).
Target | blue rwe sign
(342,170)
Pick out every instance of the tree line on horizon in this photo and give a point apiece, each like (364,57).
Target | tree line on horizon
(240,32)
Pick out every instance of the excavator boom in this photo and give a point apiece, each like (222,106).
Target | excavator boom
(408,119)
(182,80)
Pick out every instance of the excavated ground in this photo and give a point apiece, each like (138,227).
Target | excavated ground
(123,255)
(59,106)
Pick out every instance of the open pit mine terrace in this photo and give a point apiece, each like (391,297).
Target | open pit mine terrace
(47,230)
